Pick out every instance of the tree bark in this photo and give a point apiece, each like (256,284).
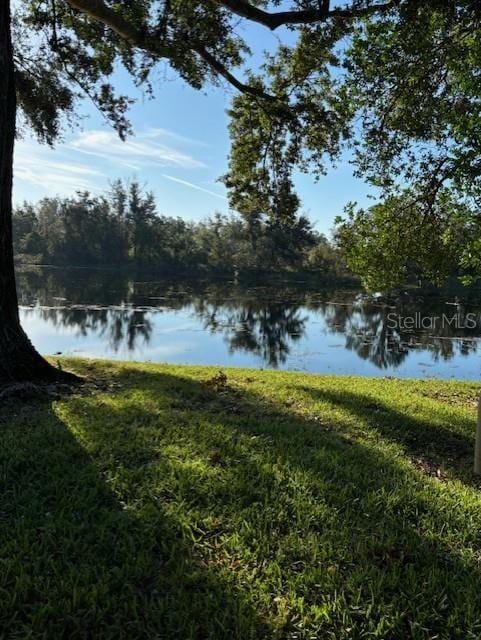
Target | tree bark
(19,362)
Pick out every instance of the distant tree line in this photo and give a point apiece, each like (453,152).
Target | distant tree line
(123,228)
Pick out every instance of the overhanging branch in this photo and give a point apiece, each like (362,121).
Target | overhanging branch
(302,16)
(227,75)
(98,10)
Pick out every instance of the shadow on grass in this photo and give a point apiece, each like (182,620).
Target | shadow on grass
(429,443)
(384,539)
(76,559)
(212,512)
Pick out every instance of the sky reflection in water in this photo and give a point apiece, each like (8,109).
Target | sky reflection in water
(331,330)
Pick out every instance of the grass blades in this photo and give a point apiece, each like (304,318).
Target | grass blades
(180,502)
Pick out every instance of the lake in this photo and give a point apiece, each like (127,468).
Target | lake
(328,329)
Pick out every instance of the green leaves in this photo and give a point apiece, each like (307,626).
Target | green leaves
(402,91)
(402,239)
(300,129)
(398,83)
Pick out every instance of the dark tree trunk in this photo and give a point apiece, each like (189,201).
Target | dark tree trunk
(19,362)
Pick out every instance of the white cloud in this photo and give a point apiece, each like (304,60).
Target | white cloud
(137,151)
(42,167)
(156,132)
(191,185)
(88,160)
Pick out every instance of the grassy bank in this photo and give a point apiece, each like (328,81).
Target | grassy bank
(175,502)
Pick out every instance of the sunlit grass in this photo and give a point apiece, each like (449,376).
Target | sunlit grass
(175,502)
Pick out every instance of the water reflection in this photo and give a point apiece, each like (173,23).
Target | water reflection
(372,329)
(286,326)
(266,330)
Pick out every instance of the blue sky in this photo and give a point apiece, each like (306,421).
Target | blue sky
(179,150)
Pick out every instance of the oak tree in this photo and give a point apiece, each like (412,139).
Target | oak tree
(395,82)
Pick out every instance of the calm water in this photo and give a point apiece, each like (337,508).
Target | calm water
(331,330)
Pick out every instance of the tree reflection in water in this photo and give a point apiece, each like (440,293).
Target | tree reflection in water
(374,333)
(59,299)
(265,322)
(266,330)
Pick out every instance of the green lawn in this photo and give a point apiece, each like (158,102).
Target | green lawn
(174,502)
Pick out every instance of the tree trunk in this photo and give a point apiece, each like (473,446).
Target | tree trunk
(19,362)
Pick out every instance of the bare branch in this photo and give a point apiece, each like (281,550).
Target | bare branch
(302,16)
(225,73)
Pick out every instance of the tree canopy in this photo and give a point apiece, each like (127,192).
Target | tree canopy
(124,228)
(401,239)
(397,83)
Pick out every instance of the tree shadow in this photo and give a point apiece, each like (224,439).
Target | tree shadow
(80,561)
(429,443)
(216,511)
(377,535)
